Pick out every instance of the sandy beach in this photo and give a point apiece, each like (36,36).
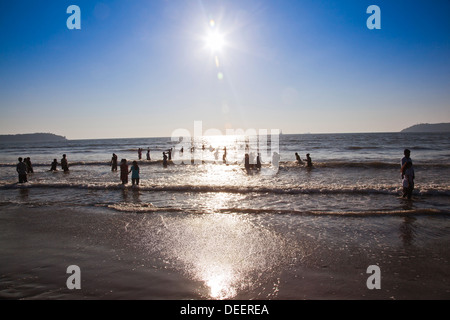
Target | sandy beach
(184,256)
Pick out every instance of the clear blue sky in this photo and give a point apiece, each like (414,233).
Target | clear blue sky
(144,68)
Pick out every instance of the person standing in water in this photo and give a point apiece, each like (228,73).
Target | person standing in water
(224,157)
(408,176)
(64,163)
(308,161)
(124,171)
(29,165)
(114,162)
(247,162)
(258,161)
(140,153)
(21,169)
(148,154)
(407,156)
(408,180)
(297,157)
(54,165)
(164,160)
(134,173)
(405,160)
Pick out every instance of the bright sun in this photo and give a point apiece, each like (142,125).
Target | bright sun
(215,41)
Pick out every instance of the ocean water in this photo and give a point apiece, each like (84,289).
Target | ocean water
(212,230)
(353,173)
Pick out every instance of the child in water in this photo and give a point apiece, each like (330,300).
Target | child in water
(134,173)
(54,165)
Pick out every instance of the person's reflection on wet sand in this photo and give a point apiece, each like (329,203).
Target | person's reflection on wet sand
(24,193)
(407,230)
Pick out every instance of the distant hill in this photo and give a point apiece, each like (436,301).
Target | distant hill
(427,127)
(31,137)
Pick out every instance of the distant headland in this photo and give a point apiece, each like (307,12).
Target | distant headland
(429,127)
(31,137)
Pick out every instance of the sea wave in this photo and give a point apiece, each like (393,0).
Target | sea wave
(150,208)
(325,190)
(282,164)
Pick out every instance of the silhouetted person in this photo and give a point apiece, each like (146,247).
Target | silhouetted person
(258,161)
(124,171)
(224,157)
(407,156)
(140,153)
(114,162)
(64,163)
(169,152)
(29,166)
(164,160)
(148,154)
(21,169)
(297,157)
(54,165)
(405,160)
(308,161)
(134,173)
(408,180)
(247,162)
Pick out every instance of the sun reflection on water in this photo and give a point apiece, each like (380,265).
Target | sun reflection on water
(228,253)
(220,279)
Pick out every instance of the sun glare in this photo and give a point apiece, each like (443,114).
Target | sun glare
(215,41)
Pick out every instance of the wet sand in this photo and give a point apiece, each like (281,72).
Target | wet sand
(173,256)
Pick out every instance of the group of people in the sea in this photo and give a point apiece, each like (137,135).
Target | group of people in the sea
(64,164)
(24,167)
(300,162)
(140,154)
(124,172)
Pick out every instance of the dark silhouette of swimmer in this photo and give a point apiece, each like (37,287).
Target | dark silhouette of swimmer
(405,160)
(64,164)
(308,161)
(114,162)
(407,156)
(140,153)
(408,180)
(29,166)
(148,154)
(124,171)
(54,165)
(297,157)
(21,169)
(164,160)
(258,162)
(247,162)
(224,157)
